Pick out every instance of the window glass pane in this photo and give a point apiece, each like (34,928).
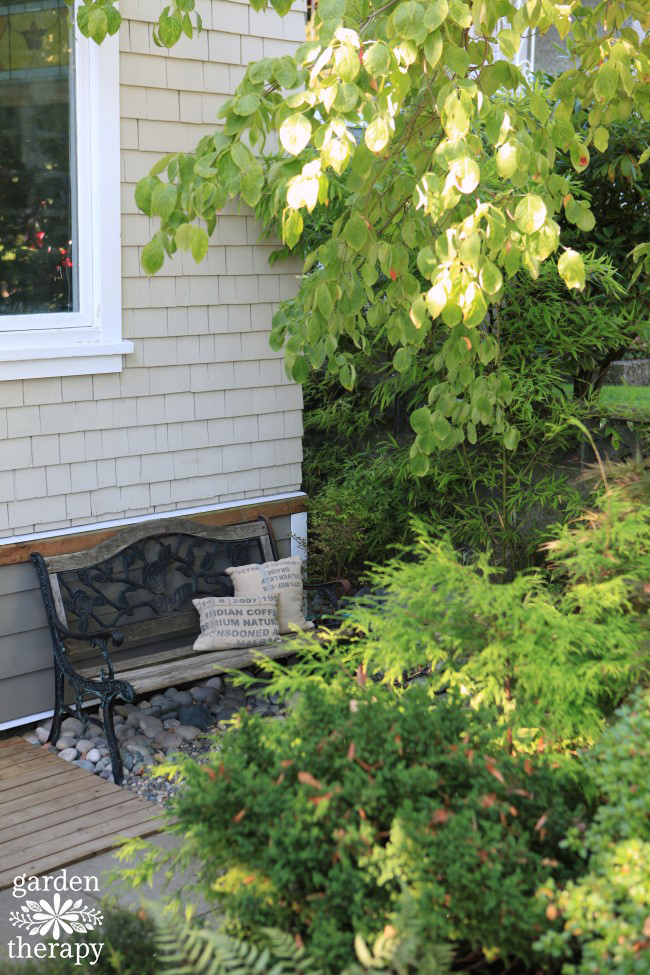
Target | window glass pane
(37,189)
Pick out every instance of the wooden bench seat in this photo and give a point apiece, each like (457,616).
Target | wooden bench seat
(113,611)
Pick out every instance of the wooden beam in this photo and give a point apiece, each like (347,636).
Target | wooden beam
(15,552)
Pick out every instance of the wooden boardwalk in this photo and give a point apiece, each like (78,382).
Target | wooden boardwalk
(53,814)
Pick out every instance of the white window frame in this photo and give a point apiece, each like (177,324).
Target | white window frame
(89,340)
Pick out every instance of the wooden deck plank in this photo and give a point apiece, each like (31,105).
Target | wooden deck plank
(26,808)
(53,814)
(75,815)
(25,790)
(48,864)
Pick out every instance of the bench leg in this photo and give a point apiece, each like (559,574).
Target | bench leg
(59,704)
(111,738)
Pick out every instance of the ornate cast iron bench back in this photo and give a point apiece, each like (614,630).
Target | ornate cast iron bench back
(136,587)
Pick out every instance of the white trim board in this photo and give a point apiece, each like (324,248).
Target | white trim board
(155,516)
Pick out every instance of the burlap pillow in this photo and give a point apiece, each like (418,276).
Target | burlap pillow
(229,622)
(284,578)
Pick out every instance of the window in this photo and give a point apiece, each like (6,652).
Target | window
(60,297)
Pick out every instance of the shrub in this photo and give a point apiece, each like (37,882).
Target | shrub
(605,914)
(317,824)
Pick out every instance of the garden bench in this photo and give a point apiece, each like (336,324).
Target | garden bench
(106,605)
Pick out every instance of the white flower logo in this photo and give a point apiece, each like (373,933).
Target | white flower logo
(43,918)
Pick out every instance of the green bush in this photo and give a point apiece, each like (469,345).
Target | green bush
(317,825)
(605,914)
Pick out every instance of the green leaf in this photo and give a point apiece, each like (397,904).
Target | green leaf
(466,173)
(241,156)
(377,135)
(376,59)
(143,193)
(606,83)
(490,278)
(572,269)
(579,156)
(324,301)
(511,438)
(163,200)
(419,464)
(402,360)
(170,29)
(153,256)
(114,19)
(460,13)
(355,232)
(183,236)
(252,184)
(420,420)
(246,105)
(98,29)
(347,375)
(435,14)
(295,133)
(433,48)
(300,369)
(601,139)
(292,226)
(198,243)
(530,213)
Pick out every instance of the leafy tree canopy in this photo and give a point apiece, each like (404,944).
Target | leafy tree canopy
(454,178)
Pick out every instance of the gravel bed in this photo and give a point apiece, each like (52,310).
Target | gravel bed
(149,732)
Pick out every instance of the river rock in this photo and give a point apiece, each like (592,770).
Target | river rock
(225,714)
(31,738)
(134,719)
(215,682)
(171,692)
(150,725)
(197,715)
(170,723)
(187,732)
(205,695)
(42,735)
(63,743)
(68,754)
(168,739)
(85,764)
(72,726)
(184,698)
(84,745)
(93,755)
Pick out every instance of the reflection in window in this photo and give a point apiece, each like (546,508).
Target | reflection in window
(37,189)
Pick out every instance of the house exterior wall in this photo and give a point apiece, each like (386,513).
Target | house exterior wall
(202,411)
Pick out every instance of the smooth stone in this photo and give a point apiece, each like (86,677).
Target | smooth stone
(128,761)
(225,714)
(171,723)
(73,727)
(171,692)
(124,710)
(93,755)
(153,710)
(124,731)
(205,695)
(167,739)
(186,732)
(84,745)
(42,734)
(215,682)
(31,738)
(102,764)
(68,754)
(103,750)
(64,743)
(150,725)
(85,764)
(118,719)
(197,715)
(106,775)
(134,719)
(184,698)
